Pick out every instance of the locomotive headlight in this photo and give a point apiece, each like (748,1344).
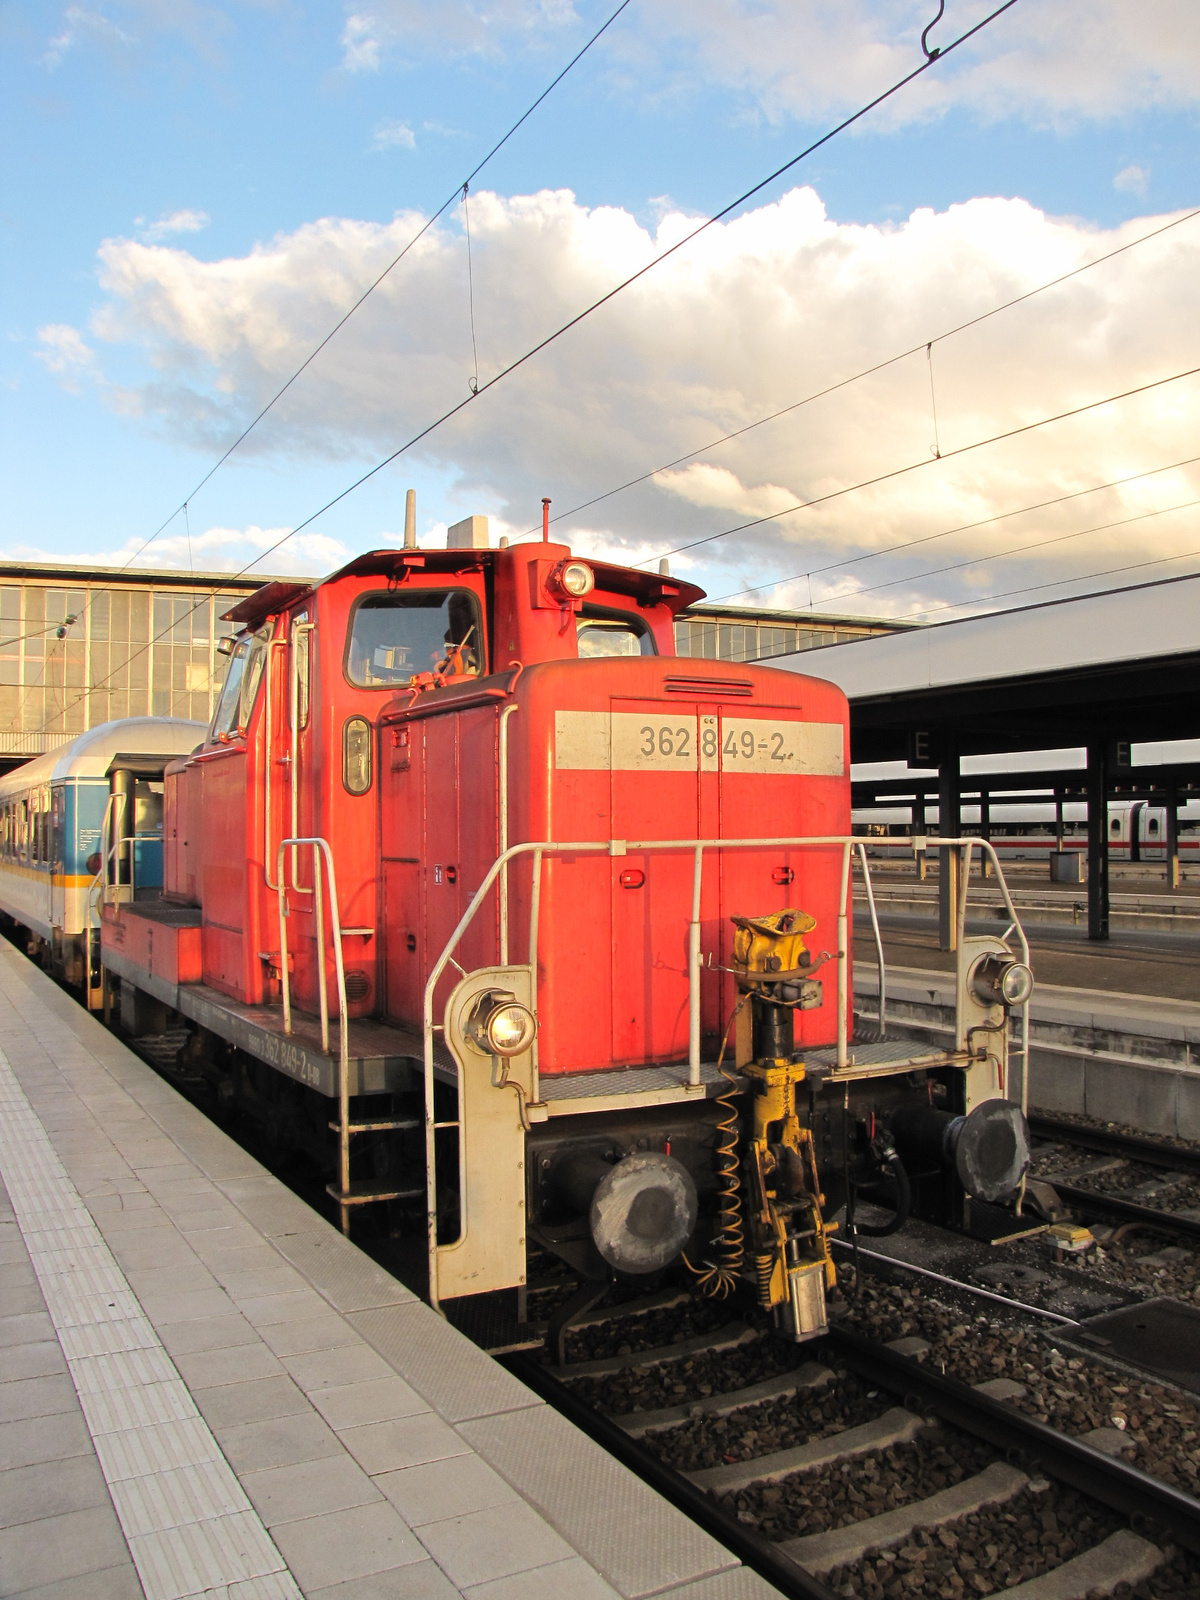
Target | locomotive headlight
(1000,981)
(501,1026)
(575,578)
(1017,984)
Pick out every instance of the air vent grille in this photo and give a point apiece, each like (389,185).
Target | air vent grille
(729,688)
(358,985)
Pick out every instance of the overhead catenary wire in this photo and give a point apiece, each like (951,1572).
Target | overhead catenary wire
(611,294)
(927,461)
(947,533)
(635,277)
(1058,583)
(459,189)
(834,494)
(871,371)
(1014,550)
(473,383)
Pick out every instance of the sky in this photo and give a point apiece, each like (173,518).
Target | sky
(194,194)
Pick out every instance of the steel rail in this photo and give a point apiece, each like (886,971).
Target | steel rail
(1128,1210)
(750,1546)
(1127,1489)
(1111,1143)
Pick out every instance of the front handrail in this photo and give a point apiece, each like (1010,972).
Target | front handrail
(321,853)
(849,844)
(269,759)
(300,630)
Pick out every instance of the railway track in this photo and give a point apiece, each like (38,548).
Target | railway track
(855,1469)
(1115,1141)
(1137,1185)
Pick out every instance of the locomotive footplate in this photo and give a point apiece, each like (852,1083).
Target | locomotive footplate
(880,1058)
(572,1093)
(383,1058)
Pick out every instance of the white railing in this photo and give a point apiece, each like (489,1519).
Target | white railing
(848,845)
(321,854)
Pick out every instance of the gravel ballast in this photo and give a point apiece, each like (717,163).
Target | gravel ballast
(764,1429)
(985,1553)
(675,1382)
(835,1497)
(1070,1392)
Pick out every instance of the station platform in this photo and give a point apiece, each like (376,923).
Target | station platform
(205,1390)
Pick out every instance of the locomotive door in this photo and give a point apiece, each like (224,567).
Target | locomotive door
(664,785)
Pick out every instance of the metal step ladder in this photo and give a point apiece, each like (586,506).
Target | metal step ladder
(346,1192)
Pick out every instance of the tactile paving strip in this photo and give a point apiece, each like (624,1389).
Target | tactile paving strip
(187,1520)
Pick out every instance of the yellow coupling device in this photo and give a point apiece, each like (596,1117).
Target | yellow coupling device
(772,944)
(789,1249)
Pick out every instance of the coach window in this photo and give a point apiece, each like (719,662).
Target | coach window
(395,635)
(58,807)
(612,633)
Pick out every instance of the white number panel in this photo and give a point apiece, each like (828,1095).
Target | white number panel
(626,741)
(767,745)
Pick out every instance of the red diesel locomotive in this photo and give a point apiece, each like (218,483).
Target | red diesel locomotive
(539,935)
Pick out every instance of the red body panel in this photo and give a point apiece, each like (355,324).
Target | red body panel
(628,747)
(613,931)
(171,954)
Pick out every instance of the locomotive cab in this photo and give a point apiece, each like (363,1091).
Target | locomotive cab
(552,931)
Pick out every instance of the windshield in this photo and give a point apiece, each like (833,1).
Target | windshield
(394,635)
(226,713)
(241,685)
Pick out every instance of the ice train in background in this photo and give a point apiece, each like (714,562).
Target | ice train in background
(1026,830)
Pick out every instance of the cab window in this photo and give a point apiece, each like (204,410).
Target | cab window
(612,634)
(395,635)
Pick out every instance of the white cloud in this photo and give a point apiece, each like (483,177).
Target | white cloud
(185,221)
(1132,179)
(64,352)
(215,549)
(778,304)
(393,135)
(360,44)
(446,28)
(79,25)
(1075,59)
(202,26)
